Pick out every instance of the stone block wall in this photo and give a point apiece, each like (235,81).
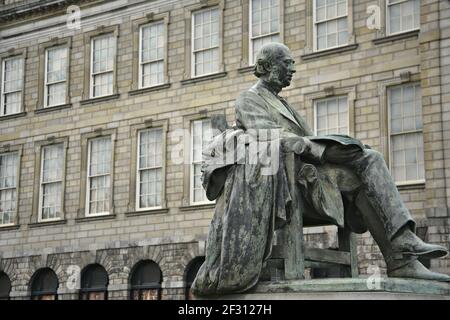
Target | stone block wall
(363,71)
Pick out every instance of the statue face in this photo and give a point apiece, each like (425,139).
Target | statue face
(283,70)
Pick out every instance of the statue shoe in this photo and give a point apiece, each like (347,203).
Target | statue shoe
(416,270)
(409,244)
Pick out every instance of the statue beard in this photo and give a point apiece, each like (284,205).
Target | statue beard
(275,81)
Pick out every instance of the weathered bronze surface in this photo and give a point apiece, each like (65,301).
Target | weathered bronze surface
(344,182)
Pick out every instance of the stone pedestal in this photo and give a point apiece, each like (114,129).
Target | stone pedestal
(346,289)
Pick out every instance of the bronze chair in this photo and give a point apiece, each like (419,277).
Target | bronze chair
(290,255)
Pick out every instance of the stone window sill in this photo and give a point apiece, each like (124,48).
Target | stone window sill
(149,89)
(412,186)
(147,212)
(204,78)
(55,108)
(13,116)
(329,52)
(198,207)
(9,228)
(47,223)
(100,99)
(400,36)
(247,69)
(96,218)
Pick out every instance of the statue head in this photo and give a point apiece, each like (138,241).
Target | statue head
(275,65)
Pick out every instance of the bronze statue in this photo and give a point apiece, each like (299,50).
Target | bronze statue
(251,205)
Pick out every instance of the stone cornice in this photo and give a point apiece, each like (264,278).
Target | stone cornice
(19,10)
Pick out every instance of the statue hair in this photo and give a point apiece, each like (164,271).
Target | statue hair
(266,56)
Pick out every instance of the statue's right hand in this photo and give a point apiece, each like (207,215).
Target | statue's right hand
(299,145)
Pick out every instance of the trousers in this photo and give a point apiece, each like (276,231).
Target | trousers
(378,200)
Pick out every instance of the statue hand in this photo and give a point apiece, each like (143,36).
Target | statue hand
(302,146)
(299,145)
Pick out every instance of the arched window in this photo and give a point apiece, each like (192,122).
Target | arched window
(146,279)
(94,283)
(191,273)
(5,286)
(44,285)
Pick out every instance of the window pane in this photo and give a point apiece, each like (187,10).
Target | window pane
(11,88)
(405,108)
(8,170)
(152,42)
(56,68)
(13,74)
(265,25)
(206,25)
(206,41)
(264,17)
(99,167)
(99,194)
(150,156)
(103,84)
(206,61)
(150,148)
(104,50)
(56,94)
(332,116)
(12,102)
(331,9)
(150,188)
(152,54)
(7,206)
(100,156)
(51,176)
(8,184)
(51,200)
(52,166)
(201,137)
(342,8)
(56,64)
(331,23)
(407,158)
(403,16)
(152,73)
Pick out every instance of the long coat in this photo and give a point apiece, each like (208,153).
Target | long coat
(251,205)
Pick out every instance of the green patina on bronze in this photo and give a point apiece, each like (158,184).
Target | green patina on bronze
(342,181)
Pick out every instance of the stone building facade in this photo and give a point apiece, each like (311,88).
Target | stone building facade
(361,66)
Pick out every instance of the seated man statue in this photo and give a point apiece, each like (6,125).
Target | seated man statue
(250,205)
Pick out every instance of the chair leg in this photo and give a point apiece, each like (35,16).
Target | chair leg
(347,242)
(294,263)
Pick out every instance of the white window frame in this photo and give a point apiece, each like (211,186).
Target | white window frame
(406,182)
(191,171)
(141,64)
(15,188)
(193,13)
(46,84)
(250,30)
(3,93)
(92,75)
(332,98)
(138,176)
(388,19)
(315,23)
(41,184)
(88,182)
